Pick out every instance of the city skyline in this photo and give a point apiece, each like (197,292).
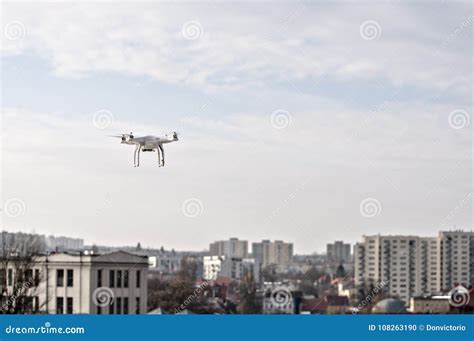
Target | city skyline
(303,122)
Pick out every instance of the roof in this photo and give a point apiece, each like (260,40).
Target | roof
(314,305)
(337,300)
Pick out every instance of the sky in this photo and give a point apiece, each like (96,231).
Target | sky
(307,121)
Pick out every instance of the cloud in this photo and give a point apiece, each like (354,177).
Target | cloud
(239,47)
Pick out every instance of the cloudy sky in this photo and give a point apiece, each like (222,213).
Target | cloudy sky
(302,121)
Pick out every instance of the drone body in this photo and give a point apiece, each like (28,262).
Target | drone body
(148,143)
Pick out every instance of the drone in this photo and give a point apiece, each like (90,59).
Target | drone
(148,143)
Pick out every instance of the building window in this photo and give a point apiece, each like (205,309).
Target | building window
(137,305)
(70,305)
(37,277)
(138,279)
(29,276)
(119,278)
(111,308)
(125,305)
(119,305)
(70,277)
(99,278)
(10,277)
(60,277)
(59,305)
(99,310)
(125,278)
(112,278)
(36,303)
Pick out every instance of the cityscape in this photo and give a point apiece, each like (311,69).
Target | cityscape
(380,274)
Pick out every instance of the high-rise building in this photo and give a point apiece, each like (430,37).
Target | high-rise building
(413,265)
(231,248)
(338,252)
(273,253)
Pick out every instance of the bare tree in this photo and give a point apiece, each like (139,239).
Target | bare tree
(19,278)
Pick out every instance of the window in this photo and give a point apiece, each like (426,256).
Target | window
(37,277)
(111,278)
(138,279)
(69,307)
(60,277)
(137,305)
(119,278)
(125,305)
(3,274)
(99,278)
(111,308)
(119,305)
(29,276)
(99,310)
(59,305)
(70,277)
(10,277)
(125,278)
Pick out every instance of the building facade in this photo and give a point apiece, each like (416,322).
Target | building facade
(338,252)
(273,253)
(82,283)
(231,248)
(413,265)
(222,266)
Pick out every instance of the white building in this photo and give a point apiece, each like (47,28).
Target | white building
(413,265)
(222,266)
(278,298)
(167,263)
(81,283)
(230,248)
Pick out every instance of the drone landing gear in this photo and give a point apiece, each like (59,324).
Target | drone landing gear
(136,156)
(160,149)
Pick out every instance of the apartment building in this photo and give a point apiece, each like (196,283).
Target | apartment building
(231,248)
(413,265)
(338,252)
(82,283)
(222,266)
(276,253)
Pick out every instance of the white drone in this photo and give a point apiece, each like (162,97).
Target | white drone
(148,144)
